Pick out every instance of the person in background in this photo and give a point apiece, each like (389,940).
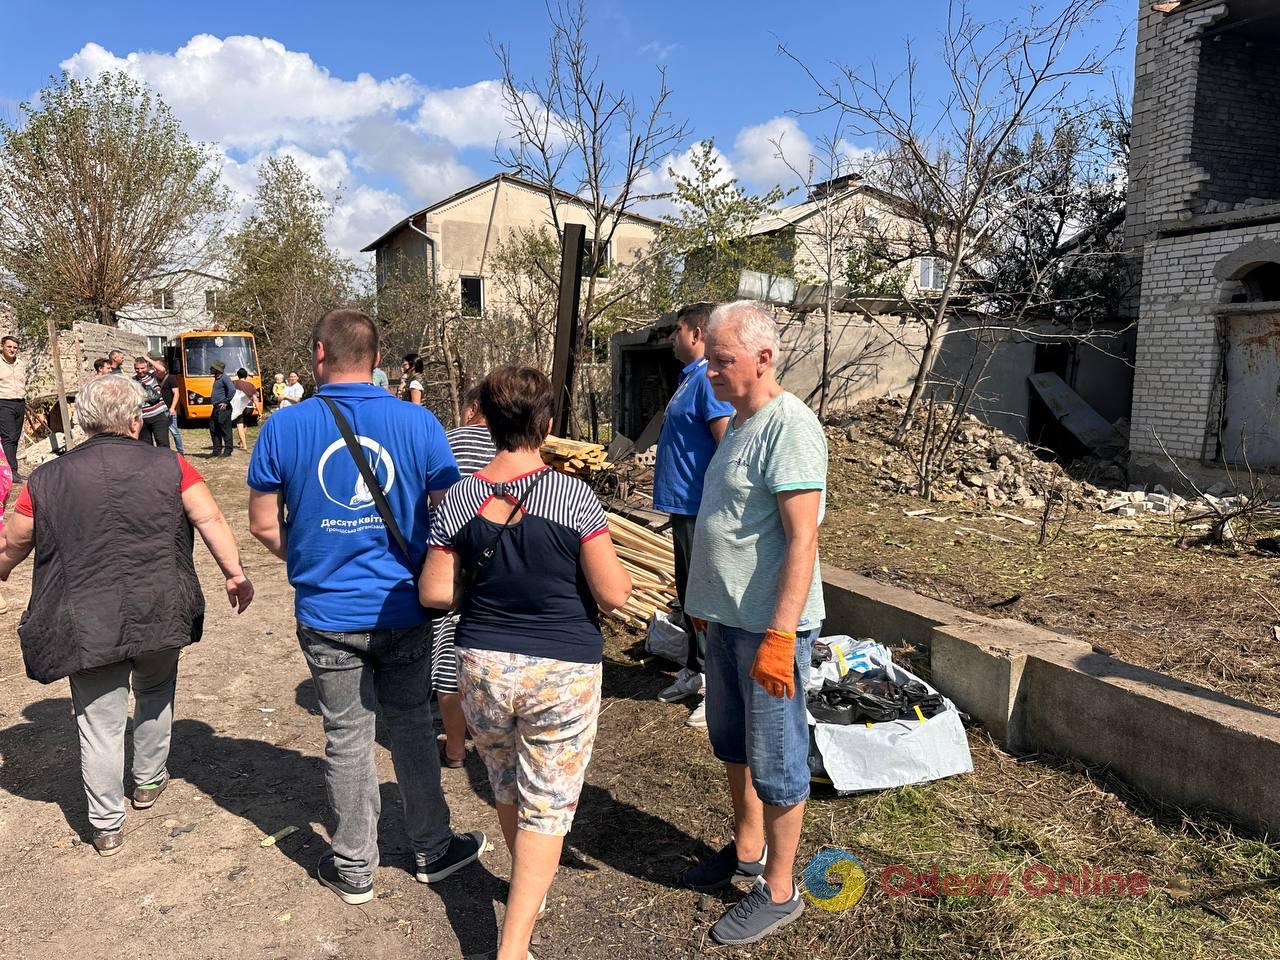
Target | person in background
(220,419)
(472,448)
(380,379)
(365,636)
(694,424)
(245,386)
(82,624)
(411,368)
(13,399)
(294,392)
(277,391)
(529,630)
(155,412)
(117,361)
(170,391)
(100,366)
(757,582)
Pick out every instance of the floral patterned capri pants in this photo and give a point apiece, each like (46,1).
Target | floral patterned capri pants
(533,721)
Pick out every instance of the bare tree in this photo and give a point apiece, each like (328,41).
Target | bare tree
(585,142)
(100,190)
(964,168)
(828,234)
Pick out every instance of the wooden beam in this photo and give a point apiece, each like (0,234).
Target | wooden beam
(567,324)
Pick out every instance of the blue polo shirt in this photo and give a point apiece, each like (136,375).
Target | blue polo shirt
(345,569)
(685,445)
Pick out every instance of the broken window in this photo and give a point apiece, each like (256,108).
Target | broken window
(1262,283)
(162,299)
(472,293)
(606,258)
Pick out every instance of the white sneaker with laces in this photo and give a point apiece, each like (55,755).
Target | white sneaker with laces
(699,716)
(686,684)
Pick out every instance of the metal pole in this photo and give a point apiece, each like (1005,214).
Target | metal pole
(567,324)
(59,386)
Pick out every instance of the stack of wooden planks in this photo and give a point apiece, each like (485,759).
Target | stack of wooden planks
(650,559)
(575,456)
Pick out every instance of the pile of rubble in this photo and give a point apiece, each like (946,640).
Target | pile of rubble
(983,463)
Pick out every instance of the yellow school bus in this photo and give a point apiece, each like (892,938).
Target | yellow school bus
(189,356)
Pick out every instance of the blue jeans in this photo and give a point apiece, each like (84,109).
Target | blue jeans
(748,726)
(176,434)
(355,675)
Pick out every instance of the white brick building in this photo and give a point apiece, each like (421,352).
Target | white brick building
(1204,216)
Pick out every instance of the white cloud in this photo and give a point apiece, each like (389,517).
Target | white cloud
(756,149)
(661,178)
(256,98)
(474,116)
(251,92)
(660,51)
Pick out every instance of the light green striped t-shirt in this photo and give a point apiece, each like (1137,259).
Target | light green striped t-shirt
(739,543)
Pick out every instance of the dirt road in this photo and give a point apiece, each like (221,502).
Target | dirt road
(194,881)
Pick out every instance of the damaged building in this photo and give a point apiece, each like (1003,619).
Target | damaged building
(1204,217)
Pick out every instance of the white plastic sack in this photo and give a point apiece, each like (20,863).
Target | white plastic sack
(895,753)
(666,639)
(239,402)
(850,654)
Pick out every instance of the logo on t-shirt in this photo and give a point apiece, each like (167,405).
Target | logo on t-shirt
(336,481)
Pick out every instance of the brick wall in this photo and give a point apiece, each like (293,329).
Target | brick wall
(1177,354)
(1237,119)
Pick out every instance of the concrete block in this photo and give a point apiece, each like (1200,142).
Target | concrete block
(861,607)
(980,665)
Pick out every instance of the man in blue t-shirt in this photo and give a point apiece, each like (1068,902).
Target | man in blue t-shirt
(695,421)
(364,635)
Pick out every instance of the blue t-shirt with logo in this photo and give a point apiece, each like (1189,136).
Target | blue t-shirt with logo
(685,445)
(346,571)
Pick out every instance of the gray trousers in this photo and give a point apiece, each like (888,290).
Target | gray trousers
(101,698)
(682,525)
(355,675)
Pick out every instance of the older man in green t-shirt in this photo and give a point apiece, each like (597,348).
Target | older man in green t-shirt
(754,577)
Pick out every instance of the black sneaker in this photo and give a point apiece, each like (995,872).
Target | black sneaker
(756,916)
(723,868)
(463,849)
(327,873)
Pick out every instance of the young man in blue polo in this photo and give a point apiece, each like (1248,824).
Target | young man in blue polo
(363,633)
(694,424)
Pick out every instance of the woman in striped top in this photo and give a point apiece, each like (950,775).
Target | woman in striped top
(473,449)
(529,630)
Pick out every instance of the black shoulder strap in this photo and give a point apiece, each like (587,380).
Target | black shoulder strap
(500,490)
(371,482)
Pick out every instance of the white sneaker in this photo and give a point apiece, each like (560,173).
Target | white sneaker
(699,716)
(687,684)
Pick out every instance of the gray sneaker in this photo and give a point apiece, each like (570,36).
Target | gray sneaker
(756,916)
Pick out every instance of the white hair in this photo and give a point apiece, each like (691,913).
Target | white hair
(109,404)
(751,321)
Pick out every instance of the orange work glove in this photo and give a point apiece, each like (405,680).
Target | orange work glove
(775,664)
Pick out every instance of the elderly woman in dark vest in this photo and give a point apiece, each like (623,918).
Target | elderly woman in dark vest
(96,516)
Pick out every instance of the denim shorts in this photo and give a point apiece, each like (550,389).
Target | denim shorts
(748,726)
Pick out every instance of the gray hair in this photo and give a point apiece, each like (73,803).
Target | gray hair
(753,322)
(109,404)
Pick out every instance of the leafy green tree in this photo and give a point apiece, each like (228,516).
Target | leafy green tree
(100,190)
(708,238)
(284,275)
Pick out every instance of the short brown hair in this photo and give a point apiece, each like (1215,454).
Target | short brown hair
(350,339)
(695,315)
(517,403)
(472,397)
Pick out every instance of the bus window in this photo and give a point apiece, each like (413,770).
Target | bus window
(198,353)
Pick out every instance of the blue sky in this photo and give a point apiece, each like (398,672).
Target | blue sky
(393,104)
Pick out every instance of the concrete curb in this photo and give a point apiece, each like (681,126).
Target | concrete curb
(1036,690)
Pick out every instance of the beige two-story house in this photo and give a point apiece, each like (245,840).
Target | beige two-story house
(458,236)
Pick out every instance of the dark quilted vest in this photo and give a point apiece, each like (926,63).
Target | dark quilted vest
(113,573)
